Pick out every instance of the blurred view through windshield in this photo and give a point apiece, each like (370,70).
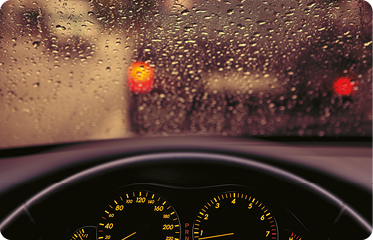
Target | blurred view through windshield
(68,69)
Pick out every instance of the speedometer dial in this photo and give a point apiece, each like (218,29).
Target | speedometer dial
(139,215)
(234,215)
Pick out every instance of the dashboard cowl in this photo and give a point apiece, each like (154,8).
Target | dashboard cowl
(188,158)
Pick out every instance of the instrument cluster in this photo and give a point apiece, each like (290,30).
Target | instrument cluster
(160,212)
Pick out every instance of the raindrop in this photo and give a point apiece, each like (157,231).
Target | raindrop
(240,26)
(311,4)
(59,27)
(201,11)
(89,22)
(185,12)
(36,44)
(288,14)
(11,93)
(367,43)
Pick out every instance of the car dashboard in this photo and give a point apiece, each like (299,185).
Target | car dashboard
(187,188)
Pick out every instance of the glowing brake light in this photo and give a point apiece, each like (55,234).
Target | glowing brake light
(344,86)
(140,77)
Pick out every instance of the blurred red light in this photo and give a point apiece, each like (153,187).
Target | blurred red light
(343,86)
(140,77)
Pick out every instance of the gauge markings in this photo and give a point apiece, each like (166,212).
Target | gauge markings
(81,234)
(239,214)
(144,214)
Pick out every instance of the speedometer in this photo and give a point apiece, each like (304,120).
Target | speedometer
(139,215)
(235,215)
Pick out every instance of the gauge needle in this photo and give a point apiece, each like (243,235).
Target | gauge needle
(80,236)
(222,235)
(129,235)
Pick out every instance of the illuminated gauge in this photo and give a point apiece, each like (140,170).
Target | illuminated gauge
(84,233)
(234,215)
(289,235)
(139,215)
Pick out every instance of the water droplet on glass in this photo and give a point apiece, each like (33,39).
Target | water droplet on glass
(36,44)
(367,43)
(311,4)
(59,27)
(185,12)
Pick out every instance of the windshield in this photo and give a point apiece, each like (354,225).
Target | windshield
(77,70)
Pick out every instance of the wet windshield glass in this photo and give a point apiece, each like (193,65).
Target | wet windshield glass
(76,70)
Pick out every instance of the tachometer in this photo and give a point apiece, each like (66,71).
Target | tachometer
(235,215)
(139,215)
